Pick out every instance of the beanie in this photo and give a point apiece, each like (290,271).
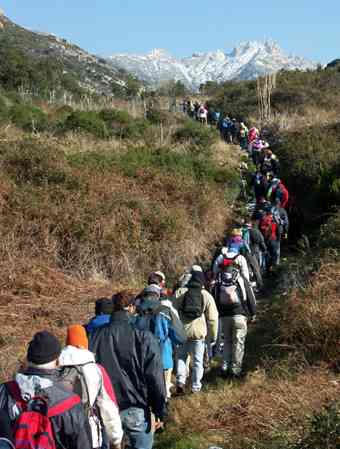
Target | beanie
(44,348)
(76,336)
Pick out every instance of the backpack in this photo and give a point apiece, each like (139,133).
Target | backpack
(33,428)
(193,304)
(228,289)
(267,227)
(226,124)
(73,379)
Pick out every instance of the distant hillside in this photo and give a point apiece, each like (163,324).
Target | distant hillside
(248,61)
(90,72)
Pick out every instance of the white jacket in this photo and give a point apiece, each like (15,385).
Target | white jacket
(99,389)
(240,261)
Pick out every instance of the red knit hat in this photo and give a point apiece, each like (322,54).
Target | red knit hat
(76,336)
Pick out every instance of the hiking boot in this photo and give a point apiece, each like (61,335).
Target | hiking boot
(180,389)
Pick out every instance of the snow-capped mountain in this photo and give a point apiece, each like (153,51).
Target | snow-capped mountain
(247,61)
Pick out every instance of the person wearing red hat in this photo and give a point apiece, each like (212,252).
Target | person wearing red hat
(81,374)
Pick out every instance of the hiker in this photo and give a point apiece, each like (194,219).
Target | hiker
(270,163)
(202,114)
(281,218)
(257,244)
(254,265)
(252,135)
(277,191)
(36,401)
(243,136)
(164,325)
(81,375)
(236,243)
(257,151)
(157,278)
(259,183)
(6,435)
(272,236)
(103,310)
(226,129)
(132,360)
(228,257)
(235,303)
(197,310)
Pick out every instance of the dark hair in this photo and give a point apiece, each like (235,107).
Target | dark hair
(155,278)
(103,306)
(122,300)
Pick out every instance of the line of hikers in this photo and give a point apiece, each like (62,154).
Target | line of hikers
(113,380)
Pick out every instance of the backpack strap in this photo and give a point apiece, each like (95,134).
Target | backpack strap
(63,406)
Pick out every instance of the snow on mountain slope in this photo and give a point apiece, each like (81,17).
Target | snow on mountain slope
(247,61)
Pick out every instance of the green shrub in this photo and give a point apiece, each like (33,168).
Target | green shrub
(86,121)
(28,163)
(115,118)
(28,117)
(156,116)
(200,136)
(137,129)
(325,430)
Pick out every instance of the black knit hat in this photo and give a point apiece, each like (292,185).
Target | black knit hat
(44,348)
(104,306)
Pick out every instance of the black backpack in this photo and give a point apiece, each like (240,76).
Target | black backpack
(193,304)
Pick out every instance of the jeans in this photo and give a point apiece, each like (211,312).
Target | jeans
(196,349)
(235,332)
(137,428)
(274,253)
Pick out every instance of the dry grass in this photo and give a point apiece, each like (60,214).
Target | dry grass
(241,415)
(310,320)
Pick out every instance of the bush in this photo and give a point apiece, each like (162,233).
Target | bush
(28,117)
(325,430)
(28,163)
(197,135)
(115,118)
(86,121)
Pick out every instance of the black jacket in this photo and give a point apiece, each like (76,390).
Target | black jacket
(71,428)
(133,362)
(256,241)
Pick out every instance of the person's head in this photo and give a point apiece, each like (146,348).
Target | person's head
(268,152)
(76,336)
(236,232)
(157,278)
(103,306)
(197,275)
(124,301)
(152,292)
(43,351)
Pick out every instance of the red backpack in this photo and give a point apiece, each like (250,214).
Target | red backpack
(33,428)
(268,227)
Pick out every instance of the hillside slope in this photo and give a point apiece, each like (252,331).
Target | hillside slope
(91,72)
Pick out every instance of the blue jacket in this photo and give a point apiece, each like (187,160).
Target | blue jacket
(157,319)
(97,322)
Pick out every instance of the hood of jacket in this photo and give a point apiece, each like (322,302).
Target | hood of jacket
(71,355)
(33,381)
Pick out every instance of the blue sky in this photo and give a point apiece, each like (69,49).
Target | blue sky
(307,28)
